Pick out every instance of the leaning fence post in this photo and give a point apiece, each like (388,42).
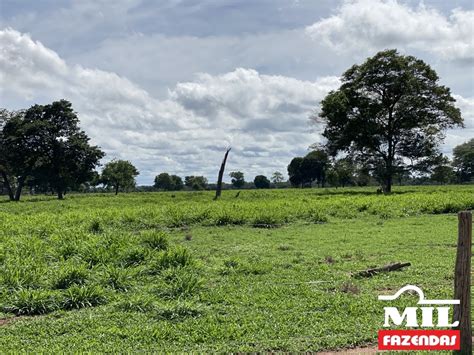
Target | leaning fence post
(462,281)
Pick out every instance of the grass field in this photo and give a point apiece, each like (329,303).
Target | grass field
(268,270)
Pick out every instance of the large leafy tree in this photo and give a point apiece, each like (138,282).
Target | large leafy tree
(45,143)
(390,110)
(463,160)
(119,174)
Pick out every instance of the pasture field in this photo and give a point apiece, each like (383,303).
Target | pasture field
(269,270)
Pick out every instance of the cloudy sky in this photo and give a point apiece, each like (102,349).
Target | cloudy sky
(170,84)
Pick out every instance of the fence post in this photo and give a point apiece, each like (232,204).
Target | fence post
(462,281)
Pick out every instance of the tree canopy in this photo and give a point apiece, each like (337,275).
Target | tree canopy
(237,179)
(463,161)
(45,144)
(168,182)
(389,111)
(119,174)
(261,182)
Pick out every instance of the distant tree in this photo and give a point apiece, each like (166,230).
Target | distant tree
(389,108)
(177,182)
(163,181)
(362,175)
(261,182)
(463,161)
(341,173)
(313,167)
(45,143)
(277,177)
(168,182)
(443,174)
(295,173)
(237,179)
(6,176)
(119,174)
(196,182)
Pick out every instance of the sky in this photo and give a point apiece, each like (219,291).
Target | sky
(170,84)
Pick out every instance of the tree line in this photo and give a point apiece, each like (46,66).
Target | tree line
(385,123)
(318,167)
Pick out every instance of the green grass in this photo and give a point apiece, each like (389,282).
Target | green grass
(269,270)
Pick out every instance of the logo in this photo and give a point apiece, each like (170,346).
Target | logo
(427,314)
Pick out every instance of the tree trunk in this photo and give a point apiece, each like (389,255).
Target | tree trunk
(388,184)
(60,193)
(221,174)
(21,182)
(116,189)
(7,185)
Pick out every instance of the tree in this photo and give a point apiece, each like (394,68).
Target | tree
(196,182)
(277,177)
(294,172)
(168,182)
(388,109)
(177,183)
(45,143)
(237,179)
(341,173)
(163,181)
(119,174)
(313,167)
(261,182)
(5,168)
(443,174)
(463,161)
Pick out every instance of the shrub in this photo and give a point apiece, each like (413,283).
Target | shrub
(83,296)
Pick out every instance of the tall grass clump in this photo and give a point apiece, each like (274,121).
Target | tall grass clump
(71,275)
(156,240)
(177,257)
(77,297)
(32,302)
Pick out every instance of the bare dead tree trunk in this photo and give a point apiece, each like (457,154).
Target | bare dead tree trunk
(221,174)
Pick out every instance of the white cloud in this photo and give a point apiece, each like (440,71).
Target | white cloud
(264,118)
(377,24)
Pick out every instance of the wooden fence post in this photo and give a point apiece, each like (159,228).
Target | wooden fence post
(462,281)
